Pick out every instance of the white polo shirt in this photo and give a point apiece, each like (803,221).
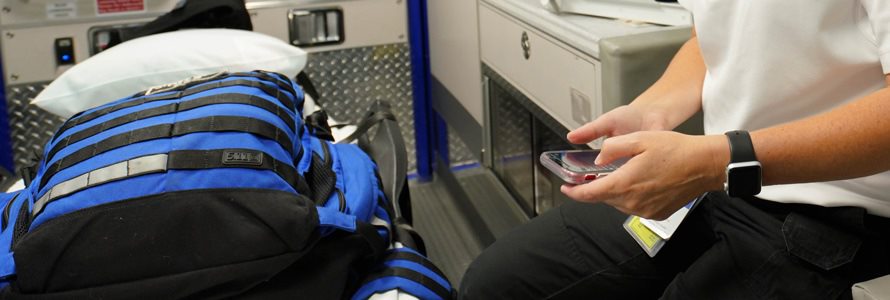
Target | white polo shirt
(771,62)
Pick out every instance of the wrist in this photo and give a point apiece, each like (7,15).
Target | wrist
(744,174)
(719,156)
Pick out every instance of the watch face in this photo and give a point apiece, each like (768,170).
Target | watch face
(744,181)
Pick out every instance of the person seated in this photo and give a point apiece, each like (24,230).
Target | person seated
(799,88)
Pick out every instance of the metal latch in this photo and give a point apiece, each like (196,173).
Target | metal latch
(526,46)
(316,27)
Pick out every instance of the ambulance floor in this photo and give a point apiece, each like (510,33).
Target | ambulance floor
(455,226)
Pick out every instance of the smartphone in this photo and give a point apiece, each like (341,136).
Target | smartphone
(576,166)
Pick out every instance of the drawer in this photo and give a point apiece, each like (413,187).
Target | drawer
(563,83)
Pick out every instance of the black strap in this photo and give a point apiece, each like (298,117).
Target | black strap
(197,14)
(246,99)
(740,147)
(29,172)
(208,124)
(414,276)
(415,258)
(231,158)
(304,81)
(321,177)
(370,119)
(188,90)
(317,123)
(376,244)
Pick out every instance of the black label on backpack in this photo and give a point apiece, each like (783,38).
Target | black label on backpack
(242,157)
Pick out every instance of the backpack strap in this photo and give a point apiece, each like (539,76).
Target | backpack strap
(317,122)
(369,120)
(321,177)
(197,14)
(174,160)
(8,234)
(188,89)
(207,124)
(330,219)
(408,271)
(304,81)
(232,98)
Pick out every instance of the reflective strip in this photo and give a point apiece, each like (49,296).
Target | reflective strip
(175,160)
(71,185)
(208,124)
(134,167)
(147,164)
(109,173)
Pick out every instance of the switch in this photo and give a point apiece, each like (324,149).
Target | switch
(64,51)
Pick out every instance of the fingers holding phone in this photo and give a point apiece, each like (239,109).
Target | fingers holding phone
(578,166)
(665,170)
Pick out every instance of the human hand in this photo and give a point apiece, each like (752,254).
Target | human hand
(666,171)
(619,121)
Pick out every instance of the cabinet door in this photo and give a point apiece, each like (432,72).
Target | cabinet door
(563,83)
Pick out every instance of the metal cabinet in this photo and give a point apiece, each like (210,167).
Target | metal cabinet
(545,74)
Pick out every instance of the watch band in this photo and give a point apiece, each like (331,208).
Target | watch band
(741,149)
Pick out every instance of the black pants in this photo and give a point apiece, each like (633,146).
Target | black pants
(727,248)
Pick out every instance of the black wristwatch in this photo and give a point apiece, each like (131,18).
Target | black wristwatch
(743,174)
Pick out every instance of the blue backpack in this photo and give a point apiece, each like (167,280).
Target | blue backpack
(212,187)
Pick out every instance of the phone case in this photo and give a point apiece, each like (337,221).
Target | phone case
(567,175)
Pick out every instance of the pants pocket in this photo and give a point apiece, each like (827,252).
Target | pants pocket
(809,266)
(818,244)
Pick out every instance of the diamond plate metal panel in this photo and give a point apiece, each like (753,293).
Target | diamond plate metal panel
(458,152)
(350,80)
(30,126)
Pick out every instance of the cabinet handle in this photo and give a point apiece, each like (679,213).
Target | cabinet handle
(526,46)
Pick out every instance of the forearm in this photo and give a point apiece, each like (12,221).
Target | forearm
(676,96)
(848,142)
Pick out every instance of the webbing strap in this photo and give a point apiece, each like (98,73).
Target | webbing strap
(246,99)
(231,158)
(208,124)
(414,276)
(188,90)
(175,160)
(321,176)
(368,121)
(415,258)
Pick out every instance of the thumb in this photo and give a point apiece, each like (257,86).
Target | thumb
(618,147)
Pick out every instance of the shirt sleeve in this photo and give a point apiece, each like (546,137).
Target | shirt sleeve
(879,17)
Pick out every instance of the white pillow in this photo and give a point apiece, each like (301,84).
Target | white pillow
(158,59)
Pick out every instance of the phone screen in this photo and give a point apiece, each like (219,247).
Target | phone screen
(581,161)
(576,166)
